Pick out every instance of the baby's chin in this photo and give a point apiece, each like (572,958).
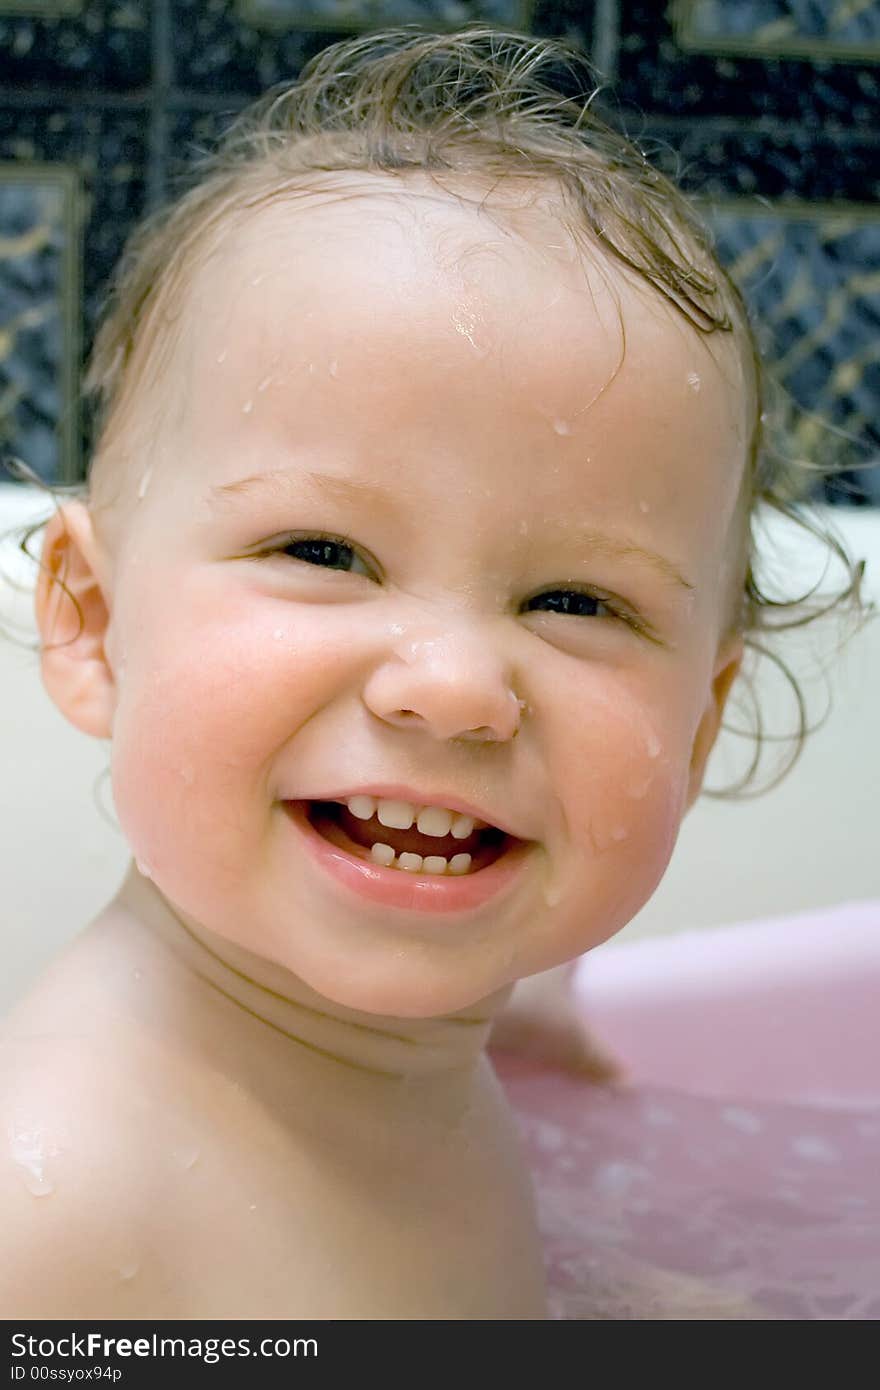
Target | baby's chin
(413,993)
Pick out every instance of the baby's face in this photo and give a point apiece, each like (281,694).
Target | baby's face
(397,342)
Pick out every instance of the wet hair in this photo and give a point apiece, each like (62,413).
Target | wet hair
(490,105)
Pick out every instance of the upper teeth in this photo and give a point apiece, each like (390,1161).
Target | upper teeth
(399,815)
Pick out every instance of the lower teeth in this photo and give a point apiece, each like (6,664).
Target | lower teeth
(416,864)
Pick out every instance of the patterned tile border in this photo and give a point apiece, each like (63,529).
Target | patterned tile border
(696,29)
(41,9)
(840,344)
(66,179)
(359,16)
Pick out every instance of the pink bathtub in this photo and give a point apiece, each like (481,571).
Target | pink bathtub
(736,1173)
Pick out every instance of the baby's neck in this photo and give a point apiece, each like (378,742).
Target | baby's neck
(300,1029)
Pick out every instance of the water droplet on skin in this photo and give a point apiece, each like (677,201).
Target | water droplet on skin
(247,407)
(561,426)
(643,507)
(259,278)
(252,1207)
(222,358)
(129,1270)
(267,380)
(552,894)
(37,1186)
(333,369)
(30,1148)
(145,482)
(278,634)
(524,528)
(144,868)
(693,381)
(620,832)
(465,321)
(555,886)
(639,789)
(137,974)
(187,1157)
(652,746)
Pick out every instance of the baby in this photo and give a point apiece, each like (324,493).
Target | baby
(408,586)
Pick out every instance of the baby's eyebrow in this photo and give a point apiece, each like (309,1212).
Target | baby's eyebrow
(280,486)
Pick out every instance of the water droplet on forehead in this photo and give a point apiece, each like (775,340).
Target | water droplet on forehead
(643,507)
(561,426)
(264,383)
(333,369)
(145,482)
(222,358)
(693,380)
(247,407)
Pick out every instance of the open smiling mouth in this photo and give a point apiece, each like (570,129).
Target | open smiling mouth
(409,851)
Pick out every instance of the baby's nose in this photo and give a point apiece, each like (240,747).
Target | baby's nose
(447,688)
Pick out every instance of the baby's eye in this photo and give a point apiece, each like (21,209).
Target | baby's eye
(334,552)
(578,603)
(327,552)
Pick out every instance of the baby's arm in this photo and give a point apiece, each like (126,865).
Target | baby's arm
(71,1187)
(52,1263)
(542,1021)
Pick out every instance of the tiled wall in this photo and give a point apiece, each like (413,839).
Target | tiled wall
(770,109)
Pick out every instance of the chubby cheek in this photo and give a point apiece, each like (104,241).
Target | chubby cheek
(204,712)
(623,765)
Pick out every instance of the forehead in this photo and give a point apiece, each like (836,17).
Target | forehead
(370,302)
(351,241)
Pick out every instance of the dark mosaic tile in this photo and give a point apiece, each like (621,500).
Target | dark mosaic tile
(102,44)
(107,154)
(191,133)
(720,158)
(245,46)
(657,74)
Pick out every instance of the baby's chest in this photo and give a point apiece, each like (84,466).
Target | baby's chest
(296,1231)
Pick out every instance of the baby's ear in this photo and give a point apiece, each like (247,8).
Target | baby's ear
(727,664)
(73,661)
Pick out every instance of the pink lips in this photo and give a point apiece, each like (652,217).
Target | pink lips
(396,887)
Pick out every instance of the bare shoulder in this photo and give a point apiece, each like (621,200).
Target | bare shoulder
(83,1120)
(72,1181)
